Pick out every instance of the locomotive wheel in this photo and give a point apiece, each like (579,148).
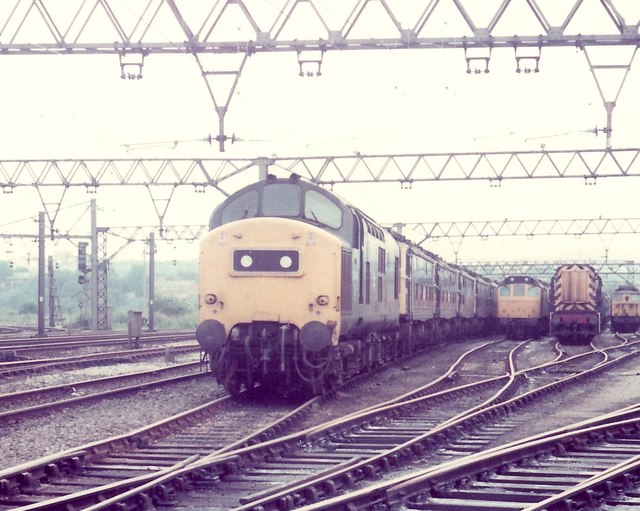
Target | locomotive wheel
(233,385)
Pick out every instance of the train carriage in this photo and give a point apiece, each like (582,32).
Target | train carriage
(466,301)
(448,299)
(486,304)
(418,303)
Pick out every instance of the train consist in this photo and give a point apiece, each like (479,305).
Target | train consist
(300,290)
(578,309)
(523,307)
(625,309)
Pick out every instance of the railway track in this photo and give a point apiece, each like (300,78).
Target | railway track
(332,458)
(90,470)
(23,367)
(300,469)
(167,444)
(46,399)
(591,465)
(16,349)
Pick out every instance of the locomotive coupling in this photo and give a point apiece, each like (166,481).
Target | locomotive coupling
(210,334)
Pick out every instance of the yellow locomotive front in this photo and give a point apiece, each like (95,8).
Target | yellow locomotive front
(269,301)
(625,309)
(522,307)
(270,288)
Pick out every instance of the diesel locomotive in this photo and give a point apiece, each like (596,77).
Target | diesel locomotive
(523,307)
(578,304)
(299,290)
(625,309)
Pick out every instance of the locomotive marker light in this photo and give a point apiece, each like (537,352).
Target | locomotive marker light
(322,300)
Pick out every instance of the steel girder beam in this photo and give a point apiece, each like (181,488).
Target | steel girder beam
(429,231)
(612,271)
(528,228)
(434,230)
(310,28)
(240,26)
(404,169)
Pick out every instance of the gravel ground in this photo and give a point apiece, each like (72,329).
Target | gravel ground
(35,381)
(609,391)
(34,437)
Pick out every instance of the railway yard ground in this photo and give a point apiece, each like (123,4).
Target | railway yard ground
(43,433)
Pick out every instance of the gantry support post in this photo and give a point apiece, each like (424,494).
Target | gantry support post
(41,283)
(104,320)
(94,267)
(152,272)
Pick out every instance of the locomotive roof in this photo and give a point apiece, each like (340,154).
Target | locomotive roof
(271,180)
(523,279)
(627,287)
(573,265)
(332,213)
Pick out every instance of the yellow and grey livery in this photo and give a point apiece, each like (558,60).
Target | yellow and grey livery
(300,290)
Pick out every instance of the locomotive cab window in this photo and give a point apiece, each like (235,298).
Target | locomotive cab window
(533,292)
(281,200)
(321,209)
(245,206)
(518,290)
(505,291)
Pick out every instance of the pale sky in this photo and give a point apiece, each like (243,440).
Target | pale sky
(369,102)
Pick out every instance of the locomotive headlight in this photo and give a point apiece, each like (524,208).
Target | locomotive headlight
(322,300)
(210,298)
(266,261)
(286,262)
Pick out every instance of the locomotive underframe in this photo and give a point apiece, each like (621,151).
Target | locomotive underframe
(523,328)
(270,353)
(575,326)
(625,324)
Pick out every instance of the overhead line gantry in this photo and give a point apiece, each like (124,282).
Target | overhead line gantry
(221,35)
(160,175)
